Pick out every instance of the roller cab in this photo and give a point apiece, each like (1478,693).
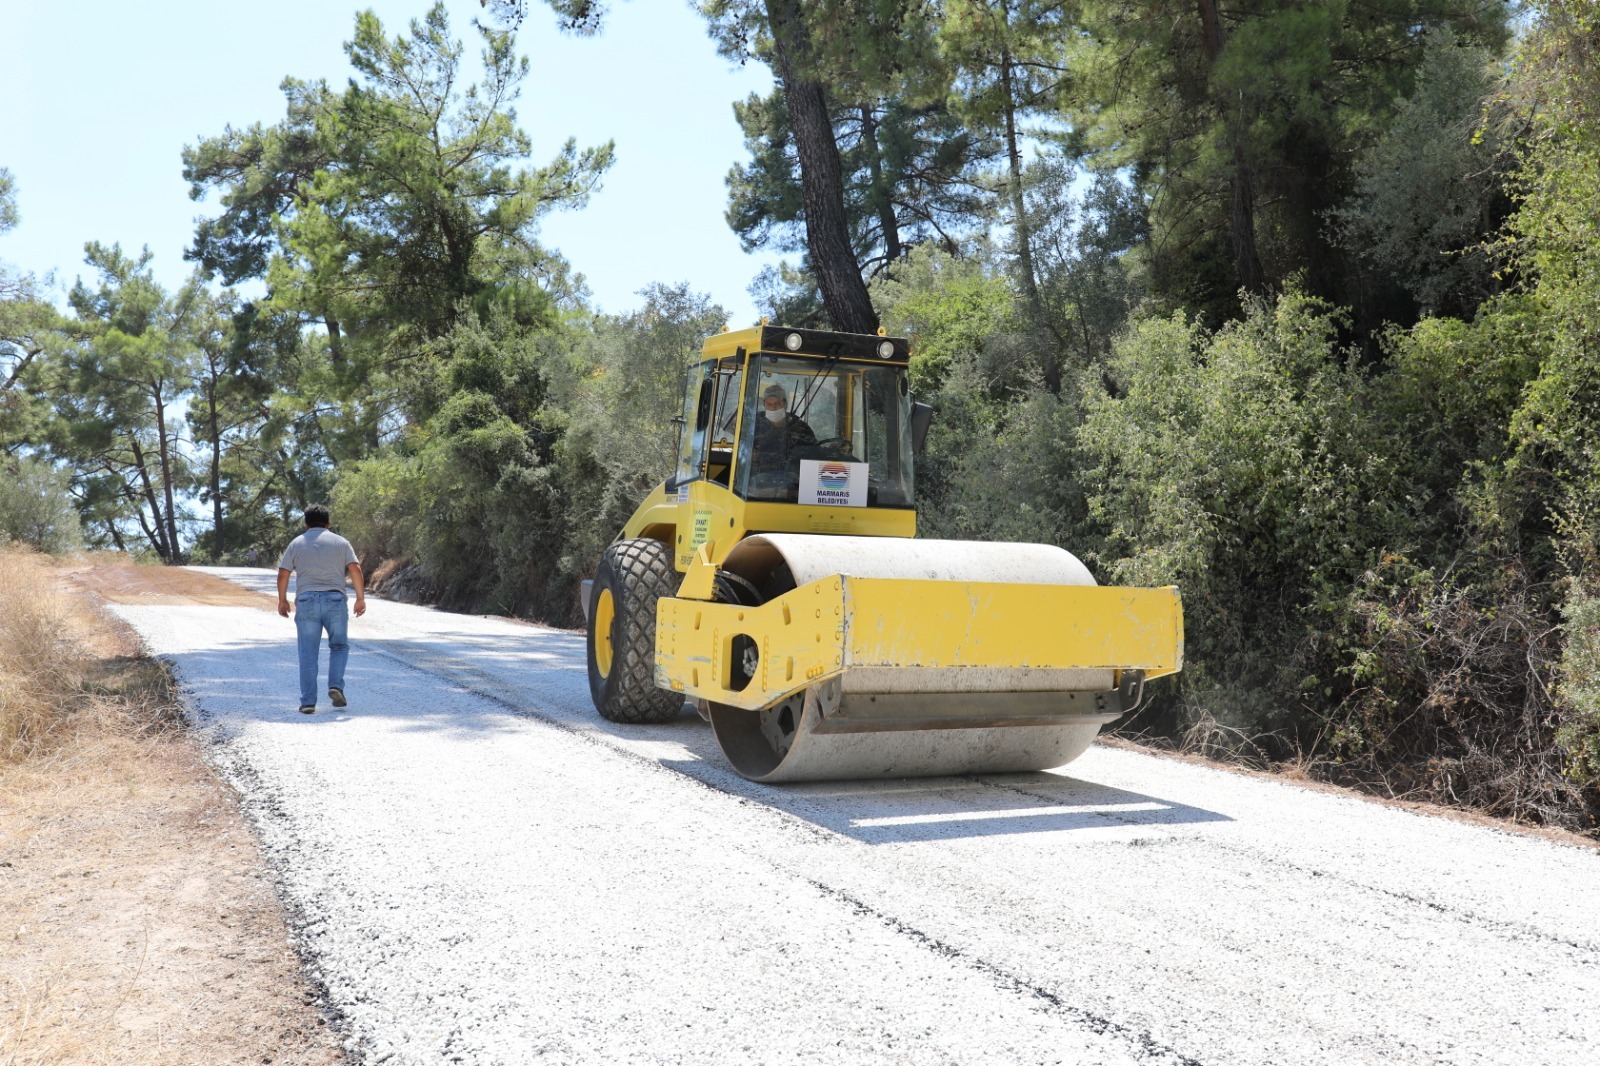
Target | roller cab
(775,581)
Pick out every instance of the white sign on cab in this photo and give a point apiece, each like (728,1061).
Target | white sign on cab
(832,483)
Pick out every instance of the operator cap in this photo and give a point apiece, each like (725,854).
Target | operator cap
(776,390)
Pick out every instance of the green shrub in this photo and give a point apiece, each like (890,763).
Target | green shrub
(953,309)
(1579,733)
(376,505)
(36,507)
(1240,466)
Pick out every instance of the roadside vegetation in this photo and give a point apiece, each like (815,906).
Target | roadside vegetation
(56,693)
(1291,306)
(138,924)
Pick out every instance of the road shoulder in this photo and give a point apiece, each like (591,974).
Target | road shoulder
(141,922)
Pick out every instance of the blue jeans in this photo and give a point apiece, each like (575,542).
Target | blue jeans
(314,612)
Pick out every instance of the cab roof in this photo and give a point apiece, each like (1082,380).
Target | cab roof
(812,343)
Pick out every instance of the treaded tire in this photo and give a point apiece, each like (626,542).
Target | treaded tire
(636,573)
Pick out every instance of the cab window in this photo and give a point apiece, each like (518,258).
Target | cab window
(711,414)
(798,409)
(696,419)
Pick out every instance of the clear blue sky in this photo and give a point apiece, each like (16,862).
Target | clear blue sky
(98,98)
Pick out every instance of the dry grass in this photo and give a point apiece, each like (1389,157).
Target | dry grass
(137,920)
(40,667)
(60,684)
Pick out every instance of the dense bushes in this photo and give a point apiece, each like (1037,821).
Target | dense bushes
(36,507)
(1240,466)
(467,493)
(1376,556)
(528,453)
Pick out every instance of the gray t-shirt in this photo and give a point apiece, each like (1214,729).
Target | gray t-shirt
(318,558)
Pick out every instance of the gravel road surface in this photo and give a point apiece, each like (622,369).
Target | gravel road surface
(483,871)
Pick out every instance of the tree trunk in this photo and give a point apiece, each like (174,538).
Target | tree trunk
(214,432)
(833,261)
(154,530)
(153,534)
(164,454)
(335,343)
(1242,226)
(1242,204)
(28,355)
(882,200)
(1022,231)
(458,250)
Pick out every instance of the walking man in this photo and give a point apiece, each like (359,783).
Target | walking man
(319,559)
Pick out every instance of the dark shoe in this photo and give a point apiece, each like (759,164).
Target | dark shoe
(337,696)
(308,708)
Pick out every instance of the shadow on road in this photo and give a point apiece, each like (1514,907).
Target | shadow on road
(910,810)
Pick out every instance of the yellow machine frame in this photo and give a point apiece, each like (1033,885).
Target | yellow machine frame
(873,652)
(818,631)
(821,629)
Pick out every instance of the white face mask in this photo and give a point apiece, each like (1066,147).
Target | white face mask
(776,416)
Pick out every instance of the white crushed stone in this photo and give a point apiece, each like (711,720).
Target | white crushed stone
(485,872)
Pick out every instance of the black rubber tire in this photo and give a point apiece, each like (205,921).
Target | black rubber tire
(637,573)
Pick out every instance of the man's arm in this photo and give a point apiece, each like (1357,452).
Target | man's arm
(354,570)
(284,607)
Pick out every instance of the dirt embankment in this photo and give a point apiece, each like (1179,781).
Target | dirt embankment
(118,581)
(139,921)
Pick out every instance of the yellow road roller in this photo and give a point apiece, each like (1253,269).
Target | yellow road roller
(775,581)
